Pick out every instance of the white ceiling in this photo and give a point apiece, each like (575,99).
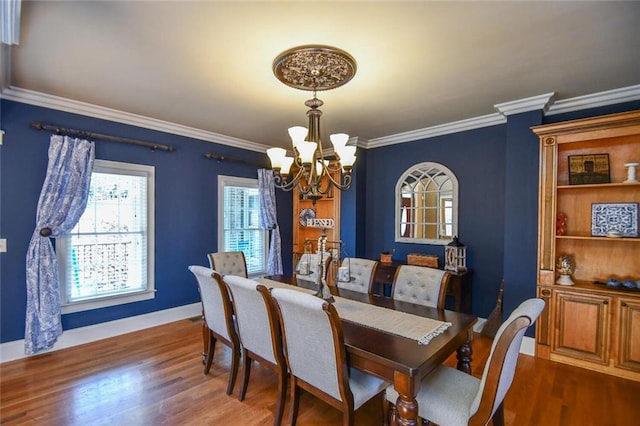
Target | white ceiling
(207,64)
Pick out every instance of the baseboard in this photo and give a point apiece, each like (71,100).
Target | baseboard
(528,346)
(10,351)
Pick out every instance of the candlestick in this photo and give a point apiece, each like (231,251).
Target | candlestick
(631,172)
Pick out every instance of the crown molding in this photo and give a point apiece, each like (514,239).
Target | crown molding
(534,103)
(68,105)
(546,102)
(442,129)
(615,96)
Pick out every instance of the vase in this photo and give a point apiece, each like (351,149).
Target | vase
(566,267)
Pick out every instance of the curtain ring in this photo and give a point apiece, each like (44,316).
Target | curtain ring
(46,232)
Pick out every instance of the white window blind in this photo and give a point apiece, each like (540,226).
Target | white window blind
(239,224)
(107,258)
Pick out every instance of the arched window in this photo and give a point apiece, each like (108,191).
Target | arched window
(426,205)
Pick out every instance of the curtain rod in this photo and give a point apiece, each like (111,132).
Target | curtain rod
(220,158)
(90,135)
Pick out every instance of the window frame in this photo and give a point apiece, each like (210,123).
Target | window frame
(412,211)
(114,167)
(223,181)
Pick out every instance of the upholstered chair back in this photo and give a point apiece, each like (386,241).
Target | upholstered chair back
(361,272)
(312,260)
(252,318)
(420,285)
(450,397)
(503,360)
(211,295)
(229,263)
(310,342)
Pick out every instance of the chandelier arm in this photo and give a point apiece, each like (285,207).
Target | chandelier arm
(345,182)
(281,182)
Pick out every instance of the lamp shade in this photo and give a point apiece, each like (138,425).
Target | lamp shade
(286,165)
(306,150)
(297,134)
(339,140)
(347,156)
(276,156)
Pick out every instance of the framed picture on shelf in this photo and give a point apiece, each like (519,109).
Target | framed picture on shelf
(586,169)
(614,219)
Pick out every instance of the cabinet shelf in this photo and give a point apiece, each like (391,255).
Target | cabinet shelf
(584,237)
(599,186)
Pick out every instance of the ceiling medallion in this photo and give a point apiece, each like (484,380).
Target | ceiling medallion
(314,67)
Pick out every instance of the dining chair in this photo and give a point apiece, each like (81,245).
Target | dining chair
(361,274)
(259,331)
(450,397)
(218,319)
(228,263)
(316,356)
(421,285)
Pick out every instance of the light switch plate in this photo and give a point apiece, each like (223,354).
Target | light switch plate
(3,245)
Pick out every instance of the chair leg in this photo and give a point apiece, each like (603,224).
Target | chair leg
(498,416)
(347,417)
(246,372)
(205,341)
(294,399)
(235,361)
(385,411)
(282,392)
(392,413)
(210,352)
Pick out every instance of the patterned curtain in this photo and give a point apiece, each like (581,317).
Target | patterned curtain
(269,220)
(62,201)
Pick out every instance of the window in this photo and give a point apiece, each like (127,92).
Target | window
(427,205)
(108,258)
(239,222)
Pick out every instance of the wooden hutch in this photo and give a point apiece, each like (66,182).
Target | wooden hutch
(328,207)
(589,324)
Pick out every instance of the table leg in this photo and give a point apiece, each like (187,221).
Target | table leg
(464,357)
(406,410)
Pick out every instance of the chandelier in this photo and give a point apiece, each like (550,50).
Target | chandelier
(310,170)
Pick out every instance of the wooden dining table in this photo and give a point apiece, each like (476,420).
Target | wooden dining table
(400,360)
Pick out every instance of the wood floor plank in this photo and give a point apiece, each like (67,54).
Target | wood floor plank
(155,377)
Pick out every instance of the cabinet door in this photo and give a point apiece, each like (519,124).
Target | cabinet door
(629,335)
(582,326)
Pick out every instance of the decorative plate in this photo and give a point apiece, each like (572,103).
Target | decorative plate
(614,217)
(306,214)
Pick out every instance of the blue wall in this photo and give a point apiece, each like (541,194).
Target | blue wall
(186,207)
(477,158)
(497,170)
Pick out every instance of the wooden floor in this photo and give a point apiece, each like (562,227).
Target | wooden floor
(154,377)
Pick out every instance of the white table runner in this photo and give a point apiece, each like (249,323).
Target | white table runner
(411,326)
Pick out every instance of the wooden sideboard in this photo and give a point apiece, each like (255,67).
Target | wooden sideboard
(459,285)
